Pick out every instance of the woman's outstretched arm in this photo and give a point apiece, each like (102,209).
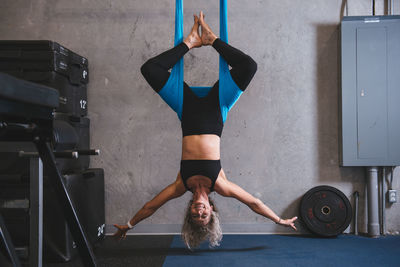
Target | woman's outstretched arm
(229,189)
(172,191)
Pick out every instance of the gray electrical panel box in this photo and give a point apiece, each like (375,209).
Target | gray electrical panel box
(370,91)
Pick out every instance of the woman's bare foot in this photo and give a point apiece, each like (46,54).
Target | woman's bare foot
(207,35)
(193,39)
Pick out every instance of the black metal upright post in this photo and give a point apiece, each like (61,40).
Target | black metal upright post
(84,247)
(8,243)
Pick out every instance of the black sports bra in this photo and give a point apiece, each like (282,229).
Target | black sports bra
(207,168)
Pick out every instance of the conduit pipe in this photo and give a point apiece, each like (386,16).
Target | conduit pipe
(381,199)
(383,202)
(356,196)
(373,210)
(373,7)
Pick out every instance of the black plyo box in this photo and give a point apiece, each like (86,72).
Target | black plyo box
(73,97)
(43,56)
(86,190)
(50,64)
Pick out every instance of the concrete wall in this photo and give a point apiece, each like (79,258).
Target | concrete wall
(281,138)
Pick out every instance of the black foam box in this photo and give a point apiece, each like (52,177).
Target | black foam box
(50,64)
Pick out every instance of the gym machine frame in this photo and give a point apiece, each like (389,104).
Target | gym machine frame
(23,117)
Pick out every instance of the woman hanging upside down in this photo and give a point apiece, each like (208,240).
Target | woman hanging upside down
(202,120)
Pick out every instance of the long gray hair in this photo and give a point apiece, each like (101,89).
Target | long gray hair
(194,234)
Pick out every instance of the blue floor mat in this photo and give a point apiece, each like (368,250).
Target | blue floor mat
(280,250)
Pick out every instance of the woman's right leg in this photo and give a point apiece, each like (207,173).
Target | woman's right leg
(243,66)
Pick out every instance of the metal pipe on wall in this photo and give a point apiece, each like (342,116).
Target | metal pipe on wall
(373,7)
(380,175)
(356,196)
(381,199)
(383,202)
(373,210)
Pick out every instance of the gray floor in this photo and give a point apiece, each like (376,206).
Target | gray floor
(133,251)
(146,251)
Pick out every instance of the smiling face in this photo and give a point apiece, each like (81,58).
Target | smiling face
(201,223)
(201,212)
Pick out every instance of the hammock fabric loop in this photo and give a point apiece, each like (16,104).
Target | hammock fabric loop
(172,92)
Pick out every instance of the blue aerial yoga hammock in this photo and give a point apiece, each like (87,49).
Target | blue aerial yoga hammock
(172,92)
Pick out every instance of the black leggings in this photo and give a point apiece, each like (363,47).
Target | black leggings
(156,70)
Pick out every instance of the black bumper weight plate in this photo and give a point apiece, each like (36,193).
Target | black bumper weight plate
(326,211)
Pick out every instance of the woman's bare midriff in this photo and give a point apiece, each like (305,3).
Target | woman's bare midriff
(203,146)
